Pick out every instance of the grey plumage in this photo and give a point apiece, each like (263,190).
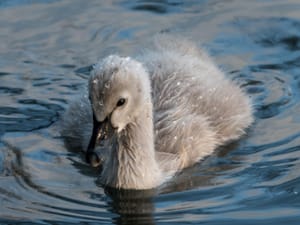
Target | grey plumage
(179,108)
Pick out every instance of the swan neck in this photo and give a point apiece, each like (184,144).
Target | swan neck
(133,160)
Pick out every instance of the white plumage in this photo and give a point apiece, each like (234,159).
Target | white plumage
(168,108)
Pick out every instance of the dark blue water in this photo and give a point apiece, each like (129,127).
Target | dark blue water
(45,50)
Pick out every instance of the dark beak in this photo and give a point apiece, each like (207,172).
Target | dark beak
(101,131)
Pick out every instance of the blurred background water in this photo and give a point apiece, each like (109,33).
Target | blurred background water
(46,48)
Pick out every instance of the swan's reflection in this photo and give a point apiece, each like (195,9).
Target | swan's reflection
(132,206)
(137,206)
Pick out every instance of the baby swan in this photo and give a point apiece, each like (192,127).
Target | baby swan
(146,119)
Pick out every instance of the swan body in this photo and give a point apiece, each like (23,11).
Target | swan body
(167,109)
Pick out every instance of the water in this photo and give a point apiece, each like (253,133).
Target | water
(45,52)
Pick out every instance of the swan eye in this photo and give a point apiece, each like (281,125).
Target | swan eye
(121,102)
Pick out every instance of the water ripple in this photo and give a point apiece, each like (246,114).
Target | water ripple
(160,7)
(252,181)
(38,115)
(11,90)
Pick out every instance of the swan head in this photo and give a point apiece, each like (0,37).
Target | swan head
(119,90)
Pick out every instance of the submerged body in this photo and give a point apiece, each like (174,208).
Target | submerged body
(167,110)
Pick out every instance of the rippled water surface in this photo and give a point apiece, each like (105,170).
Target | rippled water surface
(46,48)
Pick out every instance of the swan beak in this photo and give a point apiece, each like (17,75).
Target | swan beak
(101,132)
